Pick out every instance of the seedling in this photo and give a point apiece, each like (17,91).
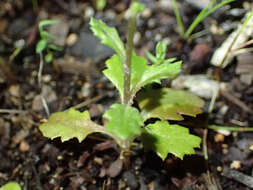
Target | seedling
(130,73)
(209,9)
(44,43)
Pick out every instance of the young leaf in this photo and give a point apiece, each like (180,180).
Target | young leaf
(161,48)
(68,125)
(114,73)
(168,104)
(136,8)
(170,60)
(54,47)
(41,46)
(108,36)
(46,23)
(155,73)
(164,138)
(152,58)
(123,121)
(49,57)
(159,58)
(47,36)
(138,68)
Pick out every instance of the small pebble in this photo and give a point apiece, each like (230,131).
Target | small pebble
(131,180)
(89,12)
(251,146)
(146,13)
(110,14)
(158,37)
(85,91)
(219,169)
(224,149)
(219,138)
(14,90)
(167,41)
(46,78)
(137,38)
(19,43)
(151,23)
(98,160)
(24,146)
(115,168)
(71,39)
(236,164)
(215,29)
(122,184)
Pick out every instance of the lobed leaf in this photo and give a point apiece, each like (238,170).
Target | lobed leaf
(108,36)
(68,125)
(168,104)
(164,138)
(115,74)
(155,73)
(123,121)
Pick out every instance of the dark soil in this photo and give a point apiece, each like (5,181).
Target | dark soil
(75,77)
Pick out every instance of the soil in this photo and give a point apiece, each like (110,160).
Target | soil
(74,79)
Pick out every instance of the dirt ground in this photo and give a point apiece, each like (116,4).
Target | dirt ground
(74,79)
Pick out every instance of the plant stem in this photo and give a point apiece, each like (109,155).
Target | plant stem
(127,63)
(40,69)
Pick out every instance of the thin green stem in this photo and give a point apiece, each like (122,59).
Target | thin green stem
(228,128)
(203,14)
(197,20)
(129,51)
(180,25)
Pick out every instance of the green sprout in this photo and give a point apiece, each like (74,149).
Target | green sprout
(209,9)
(130,74)
(44,43)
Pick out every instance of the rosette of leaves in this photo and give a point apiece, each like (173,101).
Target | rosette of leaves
(124,121)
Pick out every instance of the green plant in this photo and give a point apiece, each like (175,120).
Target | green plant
(44,43)
(11,186)
(209,9)
(130,73)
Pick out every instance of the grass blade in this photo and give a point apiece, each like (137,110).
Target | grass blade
(178,18)
(204,13)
